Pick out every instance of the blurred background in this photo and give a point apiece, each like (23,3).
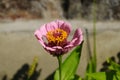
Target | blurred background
(69,9)
(20,18)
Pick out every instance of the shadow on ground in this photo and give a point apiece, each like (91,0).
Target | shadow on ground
(22,73)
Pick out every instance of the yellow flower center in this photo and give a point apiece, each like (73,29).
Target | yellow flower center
(56,36)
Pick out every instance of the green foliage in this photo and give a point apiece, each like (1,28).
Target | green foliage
(103,75)
(32,67)
(114,66)
(76,77)
(69,66)
(91,68)
(113,74)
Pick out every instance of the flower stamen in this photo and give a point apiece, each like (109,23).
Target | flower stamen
(56,36)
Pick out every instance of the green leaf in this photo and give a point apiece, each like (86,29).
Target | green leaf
(56,75)
(70,64)
(76,77)
(113,65)
(114,74)
(97,76)
(103,75)
(91,67)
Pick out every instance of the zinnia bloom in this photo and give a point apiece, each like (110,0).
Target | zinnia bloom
(53,37)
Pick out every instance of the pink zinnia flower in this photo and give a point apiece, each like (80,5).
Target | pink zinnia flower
(53,37)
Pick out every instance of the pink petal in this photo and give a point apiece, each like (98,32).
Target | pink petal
(56,50)
(49,49)
(77,39)
(51,26)
(39,35)
(58,47)
(47,27)
(64,25)
(41,31)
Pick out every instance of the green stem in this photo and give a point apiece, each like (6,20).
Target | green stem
(94,27)
(60,66)
(94,33)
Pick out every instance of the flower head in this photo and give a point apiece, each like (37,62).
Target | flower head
(53,37)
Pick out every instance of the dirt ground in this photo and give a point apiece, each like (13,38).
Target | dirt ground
(18,46)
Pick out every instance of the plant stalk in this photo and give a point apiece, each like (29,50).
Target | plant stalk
(60,66)
(94,31)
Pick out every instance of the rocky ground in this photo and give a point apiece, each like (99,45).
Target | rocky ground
(18,46)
